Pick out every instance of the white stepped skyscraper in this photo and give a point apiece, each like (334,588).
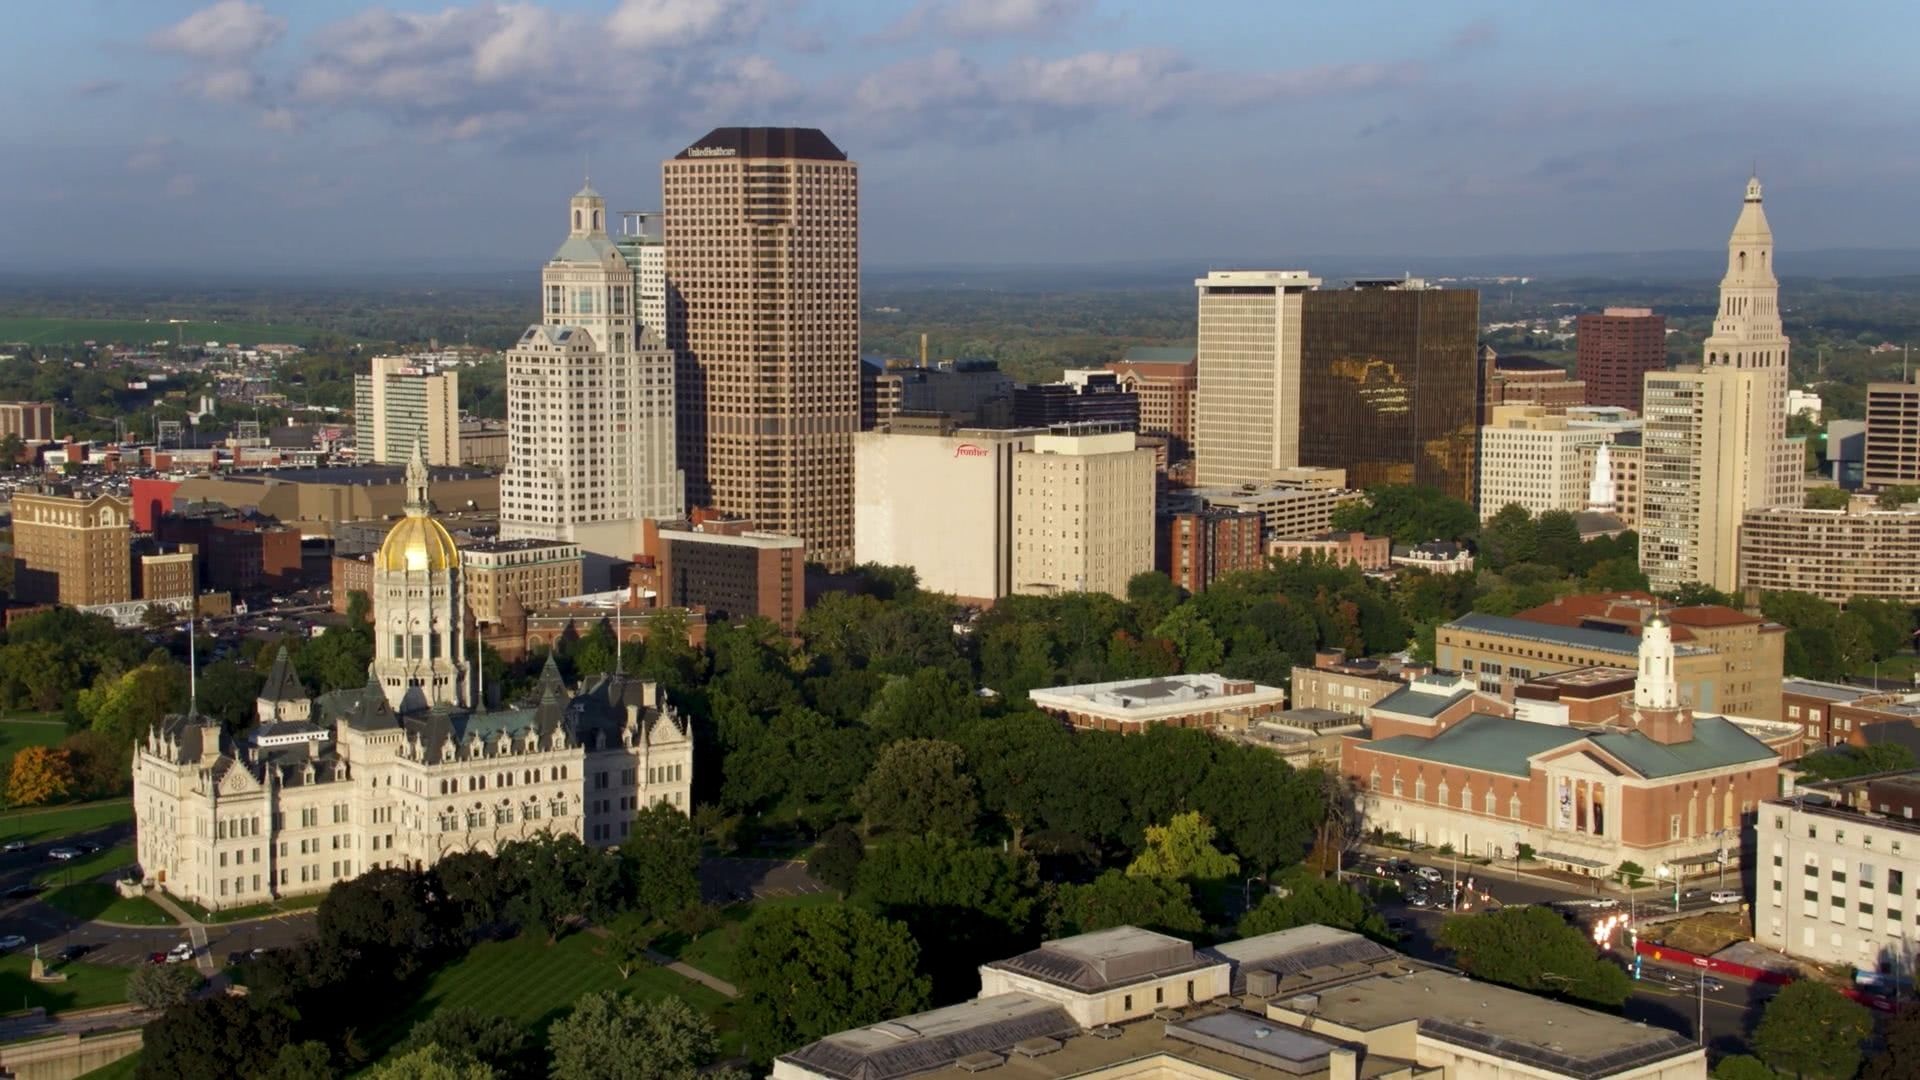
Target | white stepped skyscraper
(590,404)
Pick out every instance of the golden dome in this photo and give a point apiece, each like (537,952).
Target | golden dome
(417,543)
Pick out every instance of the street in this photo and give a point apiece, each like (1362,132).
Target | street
(1730,1011)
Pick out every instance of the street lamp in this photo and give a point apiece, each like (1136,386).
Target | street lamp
(1516,855)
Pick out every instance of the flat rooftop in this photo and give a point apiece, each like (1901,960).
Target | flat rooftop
(1124,695)
(524,544)
(1508,1023)
(1106,959)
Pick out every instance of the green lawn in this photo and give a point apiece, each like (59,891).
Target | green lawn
(98,900)
(87,867)
(535,983)
(33,330)
(22,730)
(88,985)
(119,1070)
(250,911)
(713,952)
(58,821)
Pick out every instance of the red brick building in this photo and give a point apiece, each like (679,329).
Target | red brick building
(1613,352)
(1162,379)
(1197,548)
(238,552)
(1340,548)
(728,568)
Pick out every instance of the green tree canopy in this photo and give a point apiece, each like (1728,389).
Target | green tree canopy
(610,1036)
(1828,498)
(920,787)
(1313,899)
(1114,899)
(1810,1030)
(1182,850)
(806,973)
(1533,948)
(660,862)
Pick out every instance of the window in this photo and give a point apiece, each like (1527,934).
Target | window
(1397,792)
(1673,827)
(1126,1003)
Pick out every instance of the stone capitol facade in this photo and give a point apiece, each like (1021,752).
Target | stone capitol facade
(405,770)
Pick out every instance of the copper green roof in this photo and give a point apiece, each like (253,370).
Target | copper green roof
(1501,745)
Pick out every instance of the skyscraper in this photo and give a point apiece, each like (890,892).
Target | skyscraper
(590,406)
(643,241)
(1246,414)
(1613,352)
(763,312)
(1715,440)
(397,406)
(1391,384)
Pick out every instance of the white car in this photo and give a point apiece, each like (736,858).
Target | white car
(64,854)
(13,846)
(1724,896)
(1428,873)
(180,953)
(11,942)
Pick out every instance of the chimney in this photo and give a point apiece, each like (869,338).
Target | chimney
(1343,1064)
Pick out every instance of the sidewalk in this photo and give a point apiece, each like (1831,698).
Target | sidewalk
(196,932)
(680,968)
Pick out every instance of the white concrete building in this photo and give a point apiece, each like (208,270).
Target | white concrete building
(941,503)
(1839,876)
(1310,1003)
(590,405)
(1133,705)
(404,770)
(1246,421)
(399,404)
(1082,513)
(1539,461)
(643,242)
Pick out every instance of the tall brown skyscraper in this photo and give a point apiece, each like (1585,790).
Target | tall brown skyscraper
(1613,352)
(1391,384)
(763,314)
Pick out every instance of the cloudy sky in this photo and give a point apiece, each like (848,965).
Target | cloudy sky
(241,134)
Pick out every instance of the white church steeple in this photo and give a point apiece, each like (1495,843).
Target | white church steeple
(1655,687)
(1600,493)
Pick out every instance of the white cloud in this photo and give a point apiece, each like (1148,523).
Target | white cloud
(984,18)
(644,24)
(227,85)
(230,29)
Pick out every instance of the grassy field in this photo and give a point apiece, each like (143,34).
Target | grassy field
(29,729)
(35,330)
(713,952)
(535,983)
(119,1070)
(98,900)
(250,911)
(88,985)
(47,824)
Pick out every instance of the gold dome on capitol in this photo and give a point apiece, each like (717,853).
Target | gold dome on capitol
(416,542)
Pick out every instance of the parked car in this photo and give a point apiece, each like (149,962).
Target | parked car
(1428,873)
(13,846)
(21,892)
(64,854)
(180,953)
(157,958)
(1711,984)
(74,952)
(11,942)
(1724,896)
(1691,894)
(86,847)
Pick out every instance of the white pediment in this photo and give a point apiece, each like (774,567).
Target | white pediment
(1578,760)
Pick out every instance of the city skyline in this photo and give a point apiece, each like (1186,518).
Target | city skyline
(1019,131)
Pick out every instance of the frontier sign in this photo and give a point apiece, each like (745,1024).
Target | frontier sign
(971,450)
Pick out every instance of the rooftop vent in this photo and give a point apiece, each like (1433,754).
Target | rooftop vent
(1033,1048)
(1105,1031)
(1305,1003)
(981,1062)
(1166,1014)
(1263,983)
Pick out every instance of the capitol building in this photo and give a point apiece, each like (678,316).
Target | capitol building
(407,769)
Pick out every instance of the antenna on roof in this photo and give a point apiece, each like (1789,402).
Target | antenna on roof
(193,666)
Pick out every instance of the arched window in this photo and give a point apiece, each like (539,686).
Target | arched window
(1492,805)
(1743,262)
(1419,789)
(576,219)
(1444,793)
(1513,805)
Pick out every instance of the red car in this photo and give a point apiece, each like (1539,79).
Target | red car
(157,958)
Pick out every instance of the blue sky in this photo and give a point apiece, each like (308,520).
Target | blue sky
(339,134)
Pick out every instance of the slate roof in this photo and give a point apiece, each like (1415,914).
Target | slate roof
(282,684)
(1417,700)
(1105,959)
(1716,742)
(585,249)
(1579,637)
(935,1039)
(765,142)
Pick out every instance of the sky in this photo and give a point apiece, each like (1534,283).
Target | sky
(342,135)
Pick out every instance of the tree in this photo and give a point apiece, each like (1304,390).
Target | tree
(386,916)
(959,901)
(836,858)
(1114,899)
(10,450)
(1153,596)
(431,1062)
(212,1036)
(660,862)
(462,1036)
(609,1036)
(1899,1055)
(809,972)
(1312,899)
(1632,873)
(555,878)
(227,692)
(310,1060)
(920,787)
(1898,495)
(474,884)
(160,986)
(1182,850)
(927,704)
(1533,948)
(1810,1030)
(40,774)
(1743,1067)
(1193,639)
(628,944)
(1408,513)
(1828,498)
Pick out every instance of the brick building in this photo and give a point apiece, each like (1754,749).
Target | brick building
(729,568)
(71,549)
(1162,377)
(1195,548)
(1339,548)
(239,552)
(1614,350)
